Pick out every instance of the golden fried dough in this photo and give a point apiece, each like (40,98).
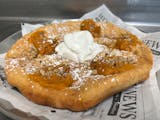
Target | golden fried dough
(35,69)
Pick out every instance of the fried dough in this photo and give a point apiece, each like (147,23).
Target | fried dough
(34,68)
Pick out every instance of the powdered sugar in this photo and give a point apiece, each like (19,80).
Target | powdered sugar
(30,69)
(113,79)
(50,41)
(79,72)
(51,60)
(62,29)
(116,57)
(12,63)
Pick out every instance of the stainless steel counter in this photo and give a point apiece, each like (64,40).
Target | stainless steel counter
(13,12)
(129,10)
(144,14)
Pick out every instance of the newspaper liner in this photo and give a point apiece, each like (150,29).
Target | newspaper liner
(140,102)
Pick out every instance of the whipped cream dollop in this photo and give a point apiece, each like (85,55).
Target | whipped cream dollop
(79,46)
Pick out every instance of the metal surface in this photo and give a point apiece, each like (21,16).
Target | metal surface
(129,10)
(13,12)
(144,14)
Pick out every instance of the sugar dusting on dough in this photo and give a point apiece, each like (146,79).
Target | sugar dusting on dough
(113,79)
(80,71)
(13,63)
(30,68)
(115,56)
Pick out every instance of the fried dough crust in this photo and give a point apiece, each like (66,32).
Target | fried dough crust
(45,93)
